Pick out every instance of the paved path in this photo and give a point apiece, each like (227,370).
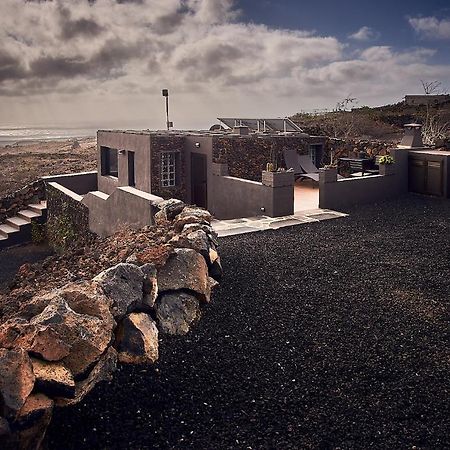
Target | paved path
(326,335)
(263,223)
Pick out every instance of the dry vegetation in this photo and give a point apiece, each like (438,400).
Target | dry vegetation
(24,163)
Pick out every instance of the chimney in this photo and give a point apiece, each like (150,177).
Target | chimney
(241,130)
(412,137)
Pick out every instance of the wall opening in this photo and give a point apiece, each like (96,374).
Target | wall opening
(131,170)
(109,161)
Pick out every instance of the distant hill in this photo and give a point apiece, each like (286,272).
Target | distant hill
(383,123)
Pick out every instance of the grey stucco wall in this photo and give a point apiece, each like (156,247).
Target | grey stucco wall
(126,206)
(139,143)
(348,192)
(81,183)
(235,197)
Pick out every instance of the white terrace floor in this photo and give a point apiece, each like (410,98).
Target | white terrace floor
(306,210)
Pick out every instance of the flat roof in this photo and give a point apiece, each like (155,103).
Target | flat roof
(220,133)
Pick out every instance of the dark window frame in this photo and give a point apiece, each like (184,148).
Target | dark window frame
(109,161)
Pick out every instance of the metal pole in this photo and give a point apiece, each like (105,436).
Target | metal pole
(167,112)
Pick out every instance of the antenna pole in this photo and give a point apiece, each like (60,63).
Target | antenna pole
(165,93)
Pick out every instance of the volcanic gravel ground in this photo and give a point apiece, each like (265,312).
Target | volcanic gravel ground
(326,335)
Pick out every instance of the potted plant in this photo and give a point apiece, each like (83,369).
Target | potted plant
(387,165)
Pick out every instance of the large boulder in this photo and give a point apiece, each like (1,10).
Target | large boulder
(191,215)
(168,209)
(137,339)
(196,240)
(53,379)
(185,270)
(123,285)
(87,335)
(16,381)
(176,312)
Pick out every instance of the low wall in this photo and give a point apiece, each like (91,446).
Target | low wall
(13,203)
(125,206)
(67,217)
(348,192)
(237,197)
(81,183)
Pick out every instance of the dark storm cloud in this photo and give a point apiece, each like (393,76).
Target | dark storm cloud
(80,27)
(10,67)
(108,62)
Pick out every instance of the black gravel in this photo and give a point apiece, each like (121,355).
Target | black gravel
(326,335)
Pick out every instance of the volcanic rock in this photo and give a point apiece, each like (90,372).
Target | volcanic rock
(16,381)
(185,270)
(123,284)
(176,312)
(191,215)
(53,379)
(150,287)
(137,339)
(168,209)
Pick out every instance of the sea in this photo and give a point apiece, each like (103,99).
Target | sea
(13,135)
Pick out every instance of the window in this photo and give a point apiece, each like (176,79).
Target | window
(131,172)
(109,163)
(168,169)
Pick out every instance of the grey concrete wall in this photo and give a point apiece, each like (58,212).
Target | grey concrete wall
(126,206)
(235,197)
(139,143)
(81,183)
(349,192)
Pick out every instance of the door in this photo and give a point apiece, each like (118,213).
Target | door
(426,177)
(199,180)
(131,173)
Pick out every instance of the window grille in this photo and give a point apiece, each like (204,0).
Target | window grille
(168,169)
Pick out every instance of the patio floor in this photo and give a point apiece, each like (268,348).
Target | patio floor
(306,195)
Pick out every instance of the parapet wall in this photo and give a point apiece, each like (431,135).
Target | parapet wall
(345,193)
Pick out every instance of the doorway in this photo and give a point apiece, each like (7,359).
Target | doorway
(131,171)
(199,180)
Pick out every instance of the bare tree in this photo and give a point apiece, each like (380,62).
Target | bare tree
(434,128)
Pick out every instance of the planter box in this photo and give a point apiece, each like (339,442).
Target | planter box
(387,169)
(277,179)
(328,175)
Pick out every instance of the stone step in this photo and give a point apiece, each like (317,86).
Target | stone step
(28,214)
(3,237)
(38,207)
(8,229)
(16,222)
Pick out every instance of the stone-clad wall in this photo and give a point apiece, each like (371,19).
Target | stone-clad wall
(13,203)
(247,156)
(159,144)
(68,218)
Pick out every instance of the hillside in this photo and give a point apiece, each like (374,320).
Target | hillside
(380,123)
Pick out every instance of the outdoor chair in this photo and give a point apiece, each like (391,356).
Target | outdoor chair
(302,168)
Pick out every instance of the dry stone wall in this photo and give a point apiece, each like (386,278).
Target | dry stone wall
(61,343)
(13,203)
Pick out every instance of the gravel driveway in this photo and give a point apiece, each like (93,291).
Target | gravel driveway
(325,335)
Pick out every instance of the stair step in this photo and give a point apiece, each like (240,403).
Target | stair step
(8,229)
(37,207)
(28,214)
(16,222)
(3,237)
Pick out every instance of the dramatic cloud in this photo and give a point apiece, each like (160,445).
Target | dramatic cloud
(431,27)
(109,59)
(364,34)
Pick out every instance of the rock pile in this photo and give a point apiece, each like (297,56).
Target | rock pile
(59,344)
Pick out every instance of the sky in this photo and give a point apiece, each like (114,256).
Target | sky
(103,63)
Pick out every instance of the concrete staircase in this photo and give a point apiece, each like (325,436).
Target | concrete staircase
(17,229)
